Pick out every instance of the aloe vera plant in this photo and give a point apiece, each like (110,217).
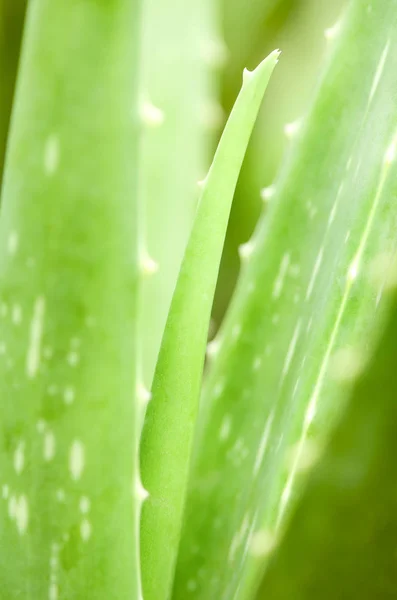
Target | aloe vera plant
(112,490)
(269,398)
(165,451)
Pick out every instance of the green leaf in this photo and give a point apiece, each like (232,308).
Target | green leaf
(168,430)
(303,316)
(341,540)
(179,115)
(68,276)
(300,32)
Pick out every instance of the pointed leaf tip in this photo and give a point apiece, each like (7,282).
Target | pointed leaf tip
(267,63)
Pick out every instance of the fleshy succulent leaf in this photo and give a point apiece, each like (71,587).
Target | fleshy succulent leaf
(303,317)
(178,112)
(169,425)
(341,539)
(68,288)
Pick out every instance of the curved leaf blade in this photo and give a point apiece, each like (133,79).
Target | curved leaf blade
(341,539)
(169,426)
(303,316)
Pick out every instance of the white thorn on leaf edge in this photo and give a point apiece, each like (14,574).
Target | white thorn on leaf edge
(143,393)
(148,265)
(151,115)
(267,192)
(332,32)
(291,129)
(246,250)
(213,347)
(262,543)
(346,364)
(202,183)
(390,153)
(140,491)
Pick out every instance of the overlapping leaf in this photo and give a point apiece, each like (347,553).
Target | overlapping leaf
(180,52)
(170,421)
(341,541)
(303,316)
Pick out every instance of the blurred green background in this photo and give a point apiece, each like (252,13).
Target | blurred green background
(251,29)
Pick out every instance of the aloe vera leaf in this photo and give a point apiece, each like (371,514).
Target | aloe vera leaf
(178,112)
(341,540)
(301,36)
(68,277)
(169,425)
(304,304)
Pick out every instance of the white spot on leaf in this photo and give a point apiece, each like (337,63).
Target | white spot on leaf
(314,274)
(36,333)
(279,282)
(85,505)
(19,458)
(263,444)
(69,395)
(379,71)
(76,459)
(85,530)
(225,428)
(49,446)
(51,154)
(73,358)
(60,494)
(16,314)
(12,243)
(53,591)
(291,349)
(151,115)
(21,514)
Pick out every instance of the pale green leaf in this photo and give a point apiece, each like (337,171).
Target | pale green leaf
(68,276)
(341,542)
(169,426)
(180,52)
(304,313)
